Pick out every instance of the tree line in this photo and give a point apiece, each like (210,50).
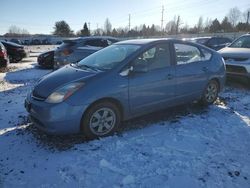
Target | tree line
(234,21)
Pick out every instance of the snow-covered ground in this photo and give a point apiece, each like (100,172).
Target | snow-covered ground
(186,146)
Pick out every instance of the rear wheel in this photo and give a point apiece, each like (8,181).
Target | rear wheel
(102,119)
(211,93)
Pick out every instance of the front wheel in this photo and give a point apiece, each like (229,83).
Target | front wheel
(211,93)
(102,119)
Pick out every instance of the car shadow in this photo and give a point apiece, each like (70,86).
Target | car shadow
(171,115)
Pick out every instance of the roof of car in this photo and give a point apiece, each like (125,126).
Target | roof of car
(89,38)
(144,41)
(97,37)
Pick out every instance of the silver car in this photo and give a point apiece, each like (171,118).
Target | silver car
(237,57)
(74,50)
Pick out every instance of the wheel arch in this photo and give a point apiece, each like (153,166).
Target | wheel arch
(114,101)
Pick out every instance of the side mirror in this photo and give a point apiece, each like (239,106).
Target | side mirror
(126,71)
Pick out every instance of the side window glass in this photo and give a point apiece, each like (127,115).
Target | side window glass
(186,54)
(110,41)
(212,42)
(155,58)
(206,55)
(96,43)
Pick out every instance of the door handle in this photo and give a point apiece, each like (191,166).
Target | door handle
(169,76)
(205,69)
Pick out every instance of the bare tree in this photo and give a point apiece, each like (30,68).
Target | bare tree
(15,31)
(234,15)
(107,26)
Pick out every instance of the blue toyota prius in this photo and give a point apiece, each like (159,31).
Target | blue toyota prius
(122,81)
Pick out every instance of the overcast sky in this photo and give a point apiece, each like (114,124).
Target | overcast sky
(39,16)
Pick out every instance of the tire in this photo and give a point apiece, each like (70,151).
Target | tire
(101,120)
(210,93)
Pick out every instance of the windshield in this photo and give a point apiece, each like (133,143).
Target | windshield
(242,42)
(108,57)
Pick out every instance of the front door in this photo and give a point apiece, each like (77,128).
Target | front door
(152,82)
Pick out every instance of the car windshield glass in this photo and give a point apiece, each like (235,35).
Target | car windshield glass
(242,42)
(108,57)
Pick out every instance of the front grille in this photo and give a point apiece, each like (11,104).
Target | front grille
(235,69)
(37,97)
(235,58)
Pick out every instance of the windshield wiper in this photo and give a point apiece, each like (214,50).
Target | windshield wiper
(89,67)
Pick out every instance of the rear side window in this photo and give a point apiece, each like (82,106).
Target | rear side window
(206,55)
(111,41)
(213,42)
(186,54)
(97,43)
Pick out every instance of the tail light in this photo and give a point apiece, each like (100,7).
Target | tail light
(2,54)
(66,52)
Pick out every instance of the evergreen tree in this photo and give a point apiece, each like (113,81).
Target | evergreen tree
(85,31)
(62,29)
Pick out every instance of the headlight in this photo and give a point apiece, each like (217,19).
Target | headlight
(64,92)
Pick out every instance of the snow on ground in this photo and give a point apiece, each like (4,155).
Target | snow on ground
(187,146)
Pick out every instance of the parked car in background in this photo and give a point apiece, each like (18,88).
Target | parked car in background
(35,42)
(26,42)
(3,56)
(17,41)
(15,51)
(72,51)
(46,59)
(123,81)
(237,57)
(215,43)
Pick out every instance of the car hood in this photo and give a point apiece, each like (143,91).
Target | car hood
(58,78)
(235,52)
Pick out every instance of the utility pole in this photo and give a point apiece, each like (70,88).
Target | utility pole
(129,22)
(248,14)
(162,14)
(177,25)
(89,26)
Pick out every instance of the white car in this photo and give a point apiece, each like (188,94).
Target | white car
(237,57)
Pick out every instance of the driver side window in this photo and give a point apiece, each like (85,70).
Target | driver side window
(156,57)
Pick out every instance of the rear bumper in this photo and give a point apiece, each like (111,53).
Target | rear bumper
(56,119)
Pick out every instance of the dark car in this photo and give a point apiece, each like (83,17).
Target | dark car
(17,41)
(74,50)
(46,59)
(3,56)
(122,81)
(215,43)
(36,42)
(15,52)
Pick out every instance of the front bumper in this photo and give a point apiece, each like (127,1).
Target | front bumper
(237,69)
(56,119)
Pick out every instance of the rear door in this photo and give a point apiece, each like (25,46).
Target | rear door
(192,68)
(153,87)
